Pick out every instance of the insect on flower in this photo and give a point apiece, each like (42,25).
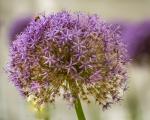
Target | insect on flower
(36,18)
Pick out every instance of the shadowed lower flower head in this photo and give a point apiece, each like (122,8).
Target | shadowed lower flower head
(71,55)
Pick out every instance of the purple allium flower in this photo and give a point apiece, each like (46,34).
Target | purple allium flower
(18,26)
(71,54)
(137,37)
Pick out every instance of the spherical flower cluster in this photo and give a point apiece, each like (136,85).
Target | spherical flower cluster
(137,38)
(71,55)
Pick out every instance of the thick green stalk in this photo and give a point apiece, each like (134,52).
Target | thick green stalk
(77,104)
(79,110)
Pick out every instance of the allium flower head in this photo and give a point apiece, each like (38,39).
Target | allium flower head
(18,26)
(137,37)
(70,55)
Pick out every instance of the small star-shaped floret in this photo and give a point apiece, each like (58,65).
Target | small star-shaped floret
(49,60)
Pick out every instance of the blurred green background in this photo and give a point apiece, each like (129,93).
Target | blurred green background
(136,103)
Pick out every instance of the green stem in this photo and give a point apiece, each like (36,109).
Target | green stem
(44,114)
(79,110)
(47,110)
(77,104)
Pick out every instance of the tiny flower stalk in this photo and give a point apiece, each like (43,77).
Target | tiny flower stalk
(70,55)
(41,112)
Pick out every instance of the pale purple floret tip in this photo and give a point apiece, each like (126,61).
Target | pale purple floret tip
(70,55)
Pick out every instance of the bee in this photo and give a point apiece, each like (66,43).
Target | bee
(36,18)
